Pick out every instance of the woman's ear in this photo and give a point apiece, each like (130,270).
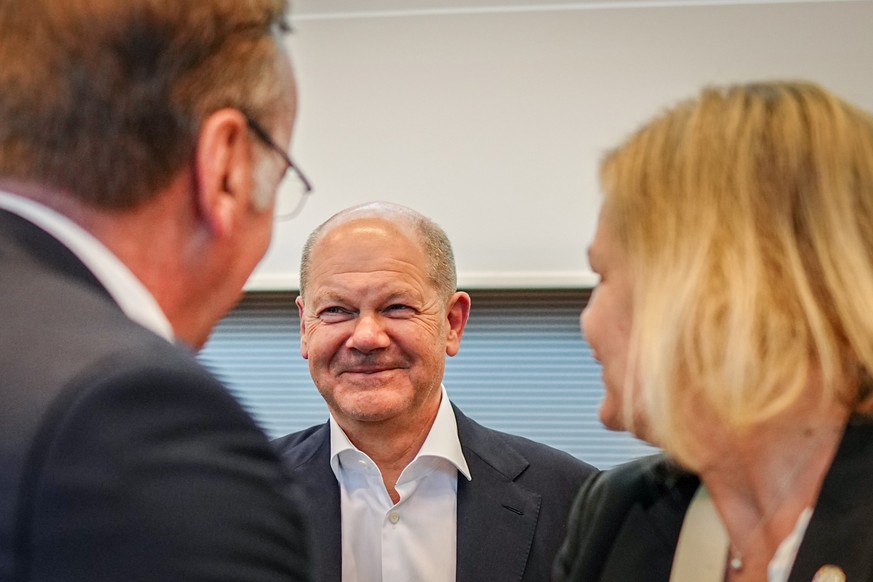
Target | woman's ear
(223,170)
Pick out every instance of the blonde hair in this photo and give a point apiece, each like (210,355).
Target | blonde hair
(747,218)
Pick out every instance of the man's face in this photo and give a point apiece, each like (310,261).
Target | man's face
(374,329)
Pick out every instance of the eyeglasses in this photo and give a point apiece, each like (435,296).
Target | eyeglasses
(294,187)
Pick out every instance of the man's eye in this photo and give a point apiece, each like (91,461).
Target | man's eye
(399,309)
(334,313)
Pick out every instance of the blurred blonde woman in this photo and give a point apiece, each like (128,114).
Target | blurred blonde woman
(734,323)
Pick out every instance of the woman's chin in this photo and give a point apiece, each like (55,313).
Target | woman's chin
(610,417)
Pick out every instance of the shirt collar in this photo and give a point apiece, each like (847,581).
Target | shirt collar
(441,442)
(132,296)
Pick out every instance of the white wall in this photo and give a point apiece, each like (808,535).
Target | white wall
(491,116)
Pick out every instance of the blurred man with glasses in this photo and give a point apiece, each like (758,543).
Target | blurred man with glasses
(139,167)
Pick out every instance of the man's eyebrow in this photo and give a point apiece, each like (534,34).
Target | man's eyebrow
(401,295)
(328,295)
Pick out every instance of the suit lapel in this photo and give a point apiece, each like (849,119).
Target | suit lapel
(496,517)
(840,532)
(314,475)
(639,522)
(648,537)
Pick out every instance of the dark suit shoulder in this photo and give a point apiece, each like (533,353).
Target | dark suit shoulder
(650,486)
(515,455)
(300,447)
(545,455)
(608,494)
(184,463)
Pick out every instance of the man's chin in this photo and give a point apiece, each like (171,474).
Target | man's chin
(371,404)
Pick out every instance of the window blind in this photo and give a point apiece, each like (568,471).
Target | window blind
(523,368)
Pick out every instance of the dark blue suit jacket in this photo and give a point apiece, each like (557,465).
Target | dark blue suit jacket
(512,515)
(121,458)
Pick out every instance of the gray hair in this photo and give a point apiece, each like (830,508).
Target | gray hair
(434,242)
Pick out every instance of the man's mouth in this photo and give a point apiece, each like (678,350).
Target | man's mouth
(368,369)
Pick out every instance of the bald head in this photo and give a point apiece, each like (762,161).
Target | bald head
(430,236)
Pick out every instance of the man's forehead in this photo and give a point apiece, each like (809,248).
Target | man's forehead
(371,238)
(364,258)
(374,225)
(374,287)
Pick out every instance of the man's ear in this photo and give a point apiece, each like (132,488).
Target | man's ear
(457,313)
(304,345)
(223,170)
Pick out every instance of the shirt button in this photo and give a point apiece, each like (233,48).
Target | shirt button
(394,517)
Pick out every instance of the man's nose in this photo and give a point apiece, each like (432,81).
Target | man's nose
(369,333)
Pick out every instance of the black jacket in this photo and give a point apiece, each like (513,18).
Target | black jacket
(121,458)
(625,523)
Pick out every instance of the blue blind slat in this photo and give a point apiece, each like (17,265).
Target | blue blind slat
(523,368)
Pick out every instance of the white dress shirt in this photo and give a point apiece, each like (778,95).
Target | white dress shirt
(416,539)
(131,295)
